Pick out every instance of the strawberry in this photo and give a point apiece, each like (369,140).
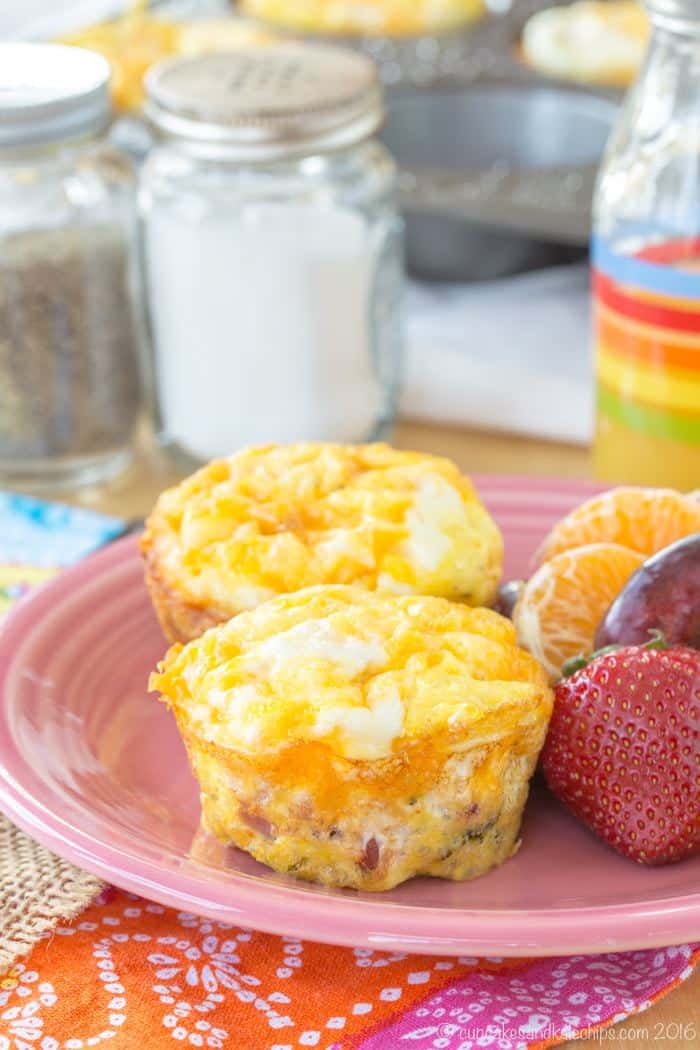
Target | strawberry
(623,749)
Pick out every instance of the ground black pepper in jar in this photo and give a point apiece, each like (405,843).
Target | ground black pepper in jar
(69,328)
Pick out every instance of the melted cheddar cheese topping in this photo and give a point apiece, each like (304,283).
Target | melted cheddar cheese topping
(276,519)
(358,671)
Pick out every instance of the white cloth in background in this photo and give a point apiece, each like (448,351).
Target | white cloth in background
(512,354)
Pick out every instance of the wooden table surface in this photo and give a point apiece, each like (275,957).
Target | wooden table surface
(478,452)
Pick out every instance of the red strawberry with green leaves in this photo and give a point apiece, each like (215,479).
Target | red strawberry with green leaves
(623,749)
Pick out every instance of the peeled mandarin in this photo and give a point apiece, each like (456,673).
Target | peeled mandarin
(643,519)
(559,610)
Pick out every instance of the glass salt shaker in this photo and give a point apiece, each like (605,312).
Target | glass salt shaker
(69,347)
(271,250)
(646,266)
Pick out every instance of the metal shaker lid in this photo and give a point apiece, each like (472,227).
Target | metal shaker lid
(275,101)
(50,92)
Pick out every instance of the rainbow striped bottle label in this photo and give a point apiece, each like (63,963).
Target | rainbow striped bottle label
(646,310)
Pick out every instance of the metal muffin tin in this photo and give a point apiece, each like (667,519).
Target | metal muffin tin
(488,47)
(485,47)
(497,163)
(497,177)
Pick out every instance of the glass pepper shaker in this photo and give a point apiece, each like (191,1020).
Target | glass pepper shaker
(69,346)
(272,250)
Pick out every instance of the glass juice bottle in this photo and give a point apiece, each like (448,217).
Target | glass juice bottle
(646,266)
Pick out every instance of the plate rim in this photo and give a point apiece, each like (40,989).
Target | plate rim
(329,918)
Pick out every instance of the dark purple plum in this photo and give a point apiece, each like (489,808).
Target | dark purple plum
(663,595)
(508,594)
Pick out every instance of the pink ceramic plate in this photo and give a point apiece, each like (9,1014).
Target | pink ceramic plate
(93,768)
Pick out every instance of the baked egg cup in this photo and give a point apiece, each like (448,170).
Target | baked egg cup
(597,42)
(357,739)
(276,519)
(366,17)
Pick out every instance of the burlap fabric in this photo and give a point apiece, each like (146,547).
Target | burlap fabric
(37,891)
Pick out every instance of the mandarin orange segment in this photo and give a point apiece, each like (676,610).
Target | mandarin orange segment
(562,604)
(646,520)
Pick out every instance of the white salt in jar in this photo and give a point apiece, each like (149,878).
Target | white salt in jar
(272,250)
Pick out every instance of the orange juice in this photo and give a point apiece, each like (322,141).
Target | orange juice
(646,311)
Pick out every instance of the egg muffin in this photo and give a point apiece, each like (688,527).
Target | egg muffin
(366,17)
(275,519)
(588,41)
(358,739)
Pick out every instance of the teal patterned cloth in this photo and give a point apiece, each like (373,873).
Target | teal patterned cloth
(35,532)
(38,538)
